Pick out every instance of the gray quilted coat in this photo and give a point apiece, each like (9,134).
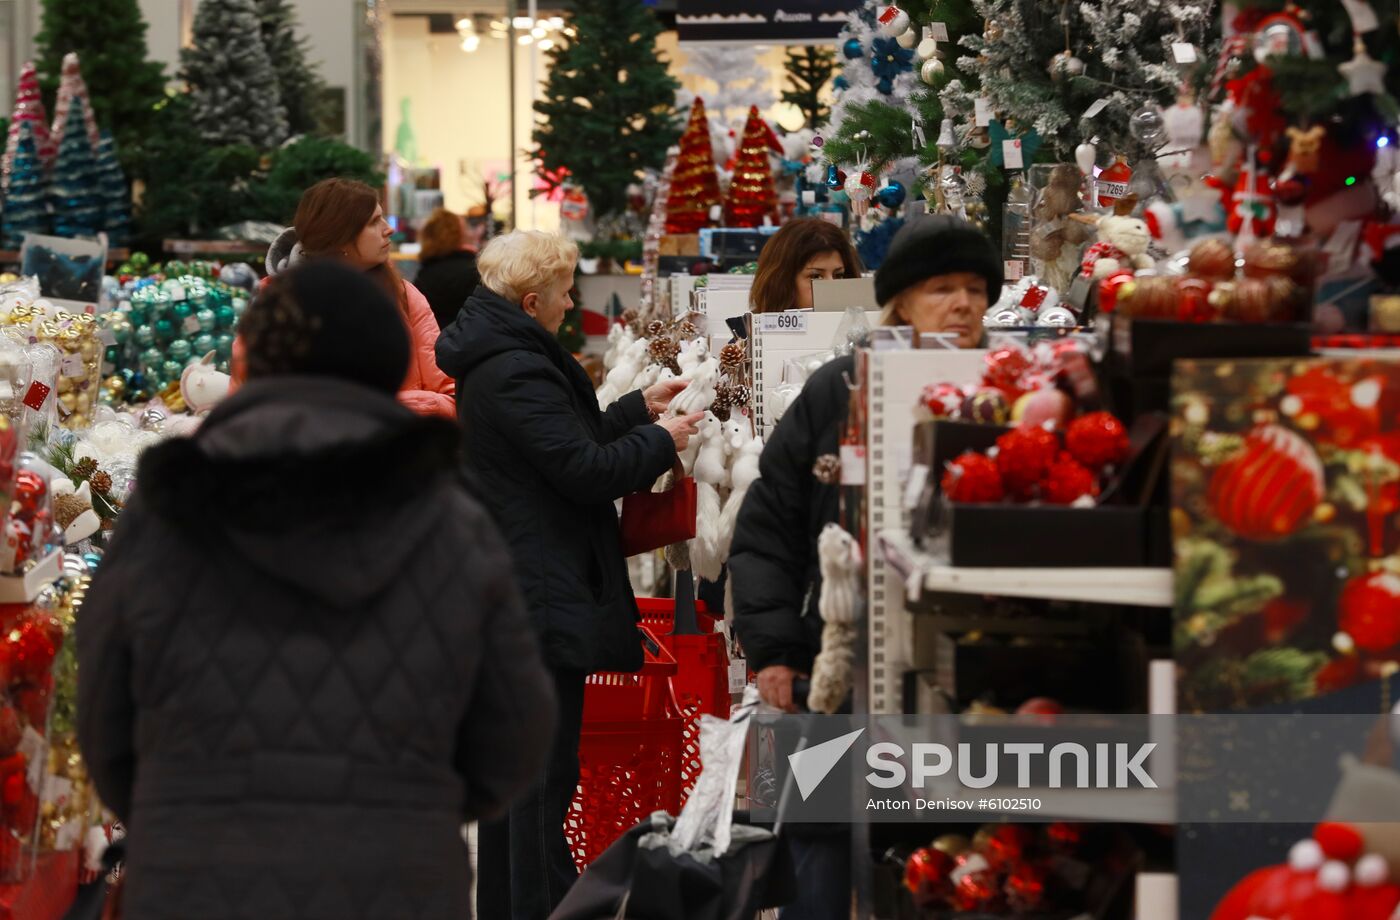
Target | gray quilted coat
(305,663)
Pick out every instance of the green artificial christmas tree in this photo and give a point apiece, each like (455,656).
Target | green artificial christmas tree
(609,102)
(301,86)
(232,82)
(110,38)
(809,70)
(115,193)
(26,204)
(75,188)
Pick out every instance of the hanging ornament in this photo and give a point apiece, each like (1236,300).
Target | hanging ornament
(1065,64)
(892,195)
(1113,182)
(927,49)
(1364,74)
(1085,156)
(893,21)
(1270,488)
(993,32)
(835,178)
(932,71)
(908,39)
(1280,35)
(841,83)
(853,49)
(947,139)
(859,188)
(1369,611)
(1148,125)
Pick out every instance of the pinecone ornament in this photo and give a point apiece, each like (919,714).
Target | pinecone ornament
(655,329)
(722,406)
(827,469)
(664,351)
(731,356)
(101,482)
(84,468)
(687,330)
(740,395)
(629,318)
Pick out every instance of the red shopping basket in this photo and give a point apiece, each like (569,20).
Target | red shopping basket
(639,750)
(629,753)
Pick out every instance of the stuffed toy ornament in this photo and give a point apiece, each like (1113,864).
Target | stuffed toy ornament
(700,394)
(72,511)
(743,473)
(630,364)
(705,559)
(202,385)
(1122,245)
(839,555)
(692,353)
(710,461)
(620,337)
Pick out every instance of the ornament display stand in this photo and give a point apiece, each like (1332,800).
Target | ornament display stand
(771,349)
(114,256)
(23,589)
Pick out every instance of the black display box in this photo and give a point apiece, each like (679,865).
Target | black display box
(1129,529)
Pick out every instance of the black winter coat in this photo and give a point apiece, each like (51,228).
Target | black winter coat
(447,282)
(773,565)
(305,665)
(550,467)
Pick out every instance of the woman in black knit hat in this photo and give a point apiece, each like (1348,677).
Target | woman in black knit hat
(939,277)
(306,663)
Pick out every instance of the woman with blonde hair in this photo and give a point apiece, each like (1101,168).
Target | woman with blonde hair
(550,465)
(447,273)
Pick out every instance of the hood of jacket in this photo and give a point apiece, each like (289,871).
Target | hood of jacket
(490,325)
(315,482)
(285,252)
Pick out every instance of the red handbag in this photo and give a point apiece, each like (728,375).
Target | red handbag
(651,520)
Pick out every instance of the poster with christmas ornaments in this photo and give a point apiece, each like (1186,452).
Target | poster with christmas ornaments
(1286,487)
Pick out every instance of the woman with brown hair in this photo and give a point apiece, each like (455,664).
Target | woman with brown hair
(805,250)
(343,220)
(447,273)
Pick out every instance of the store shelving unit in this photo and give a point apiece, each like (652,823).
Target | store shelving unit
(771,349)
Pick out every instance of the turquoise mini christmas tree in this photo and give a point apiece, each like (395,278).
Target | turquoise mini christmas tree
(74,190)
(26,207)
(116,196)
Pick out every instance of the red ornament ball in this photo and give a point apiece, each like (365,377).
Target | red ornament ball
(942,400)
(1003,845)
(1023,457)
(30,650)
(1369,611)
(926,875)
(30,490)
(972,479)
(975,886)
(1040,706)
(1025,888)
(1270,488)
(1006,369)
(1064,836)
(1067,481)
(1097,440)
(987,406)
(1339,841)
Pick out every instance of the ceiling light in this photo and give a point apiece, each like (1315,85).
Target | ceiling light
(539,31)
(546,44)
(556,22)
(500,25)
(522,22)
(526,39)
(465,24)
(471,43)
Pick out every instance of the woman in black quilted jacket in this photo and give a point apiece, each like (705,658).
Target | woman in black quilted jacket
(305,662)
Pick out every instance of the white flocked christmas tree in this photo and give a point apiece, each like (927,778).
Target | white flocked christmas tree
(735,82)
(232,82)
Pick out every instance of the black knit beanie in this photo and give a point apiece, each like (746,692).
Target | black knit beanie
(324,319)
(937,245)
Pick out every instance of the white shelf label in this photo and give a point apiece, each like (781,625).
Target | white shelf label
(1011,154)
(790,322)
(1184,52)
(983,111)
(852,464)
(738,675)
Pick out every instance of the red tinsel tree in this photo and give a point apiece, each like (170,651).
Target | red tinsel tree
(71,85)
(694,186)
(29,108)
(751,193)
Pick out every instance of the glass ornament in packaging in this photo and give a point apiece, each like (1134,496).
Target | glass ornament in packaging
(1016,230)
(1148,126)
(1113,183)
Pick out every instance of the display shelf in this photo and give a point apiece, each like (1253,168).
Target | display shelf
(114,256)
(924,573)
(23,589)
(772,349)
(214,247)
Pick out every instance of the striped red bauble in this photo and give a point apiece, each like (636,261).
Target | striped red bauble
(1271,487)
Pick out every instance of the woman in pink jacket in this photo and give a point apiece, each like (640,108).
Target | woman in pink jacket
(343,219)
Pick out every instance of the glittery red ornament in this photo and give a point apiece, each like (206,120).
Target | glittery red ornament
(1097,440)
(1064,836)
(942,400)
(33,704)
(30,491)
(1023,456)
(1333,410)
(972,479)
(1339,841)
(1281,617)
(30,651)
(1338,674)
(1270,488)
(1003,845)
(1006,370)
(1369,611)
(1067,480)
(926,875)
(1025,887)
(974,883)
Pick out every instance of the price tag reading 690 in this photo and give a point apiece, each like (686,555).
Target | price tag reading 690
(792,322)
